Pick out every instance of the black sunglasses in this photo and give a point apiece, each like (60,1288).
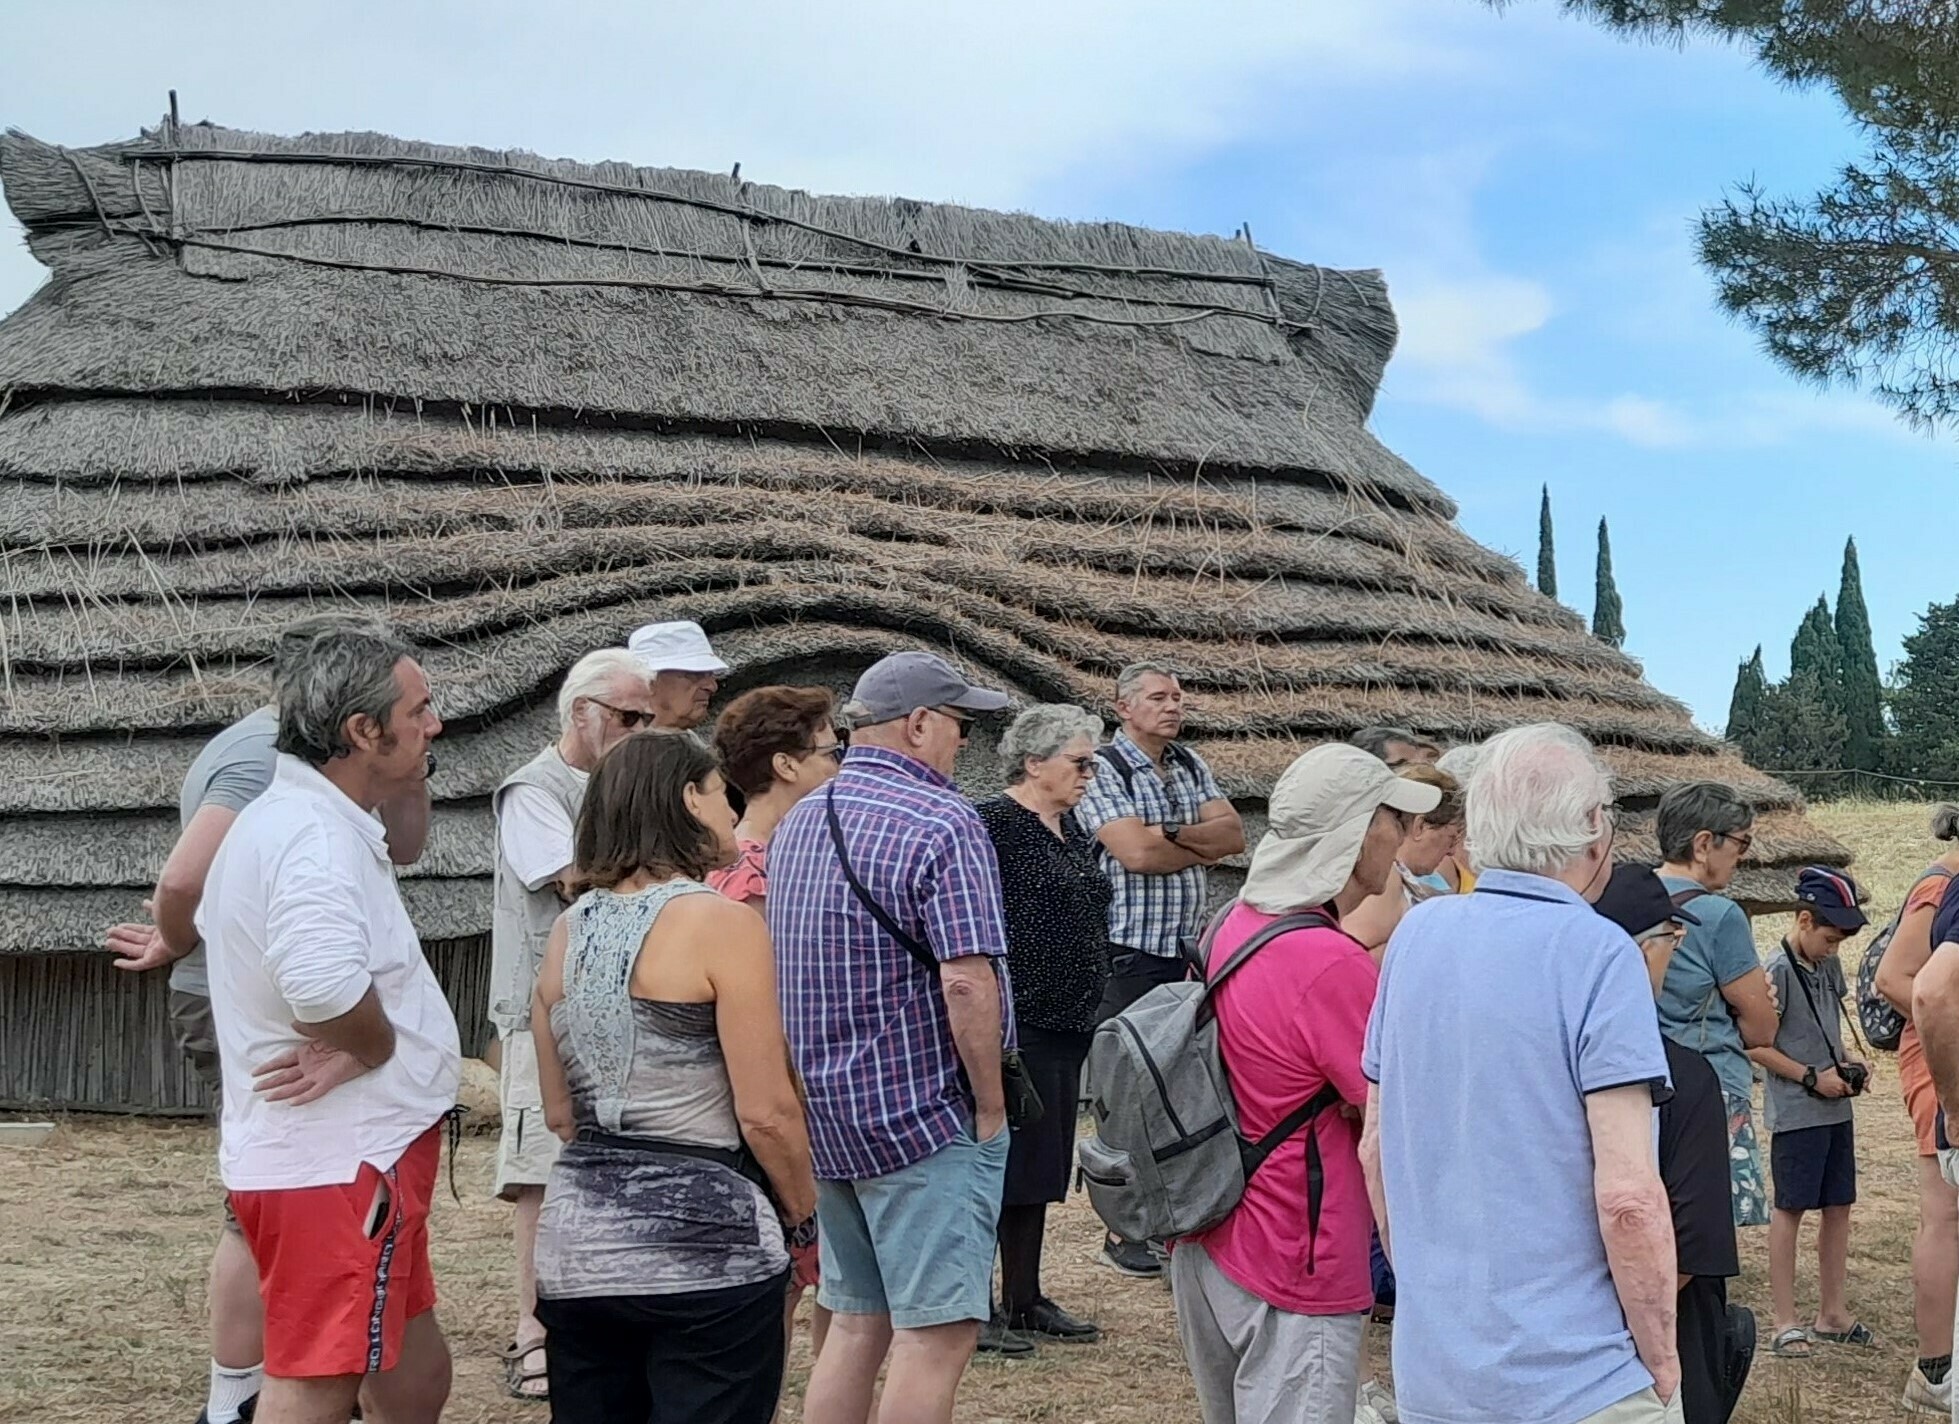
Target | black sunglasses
(628,718)
(834,752)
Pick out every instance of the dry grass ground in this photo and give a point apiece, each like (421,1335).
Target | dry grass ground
(105,1231)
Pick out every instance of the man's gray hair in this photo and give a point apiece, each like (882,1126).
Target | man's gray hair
(1131,677)
(1041,732)
(1540,798)
(1695,806)
(297,636)
(595,675)
(1461,762)
(341,673)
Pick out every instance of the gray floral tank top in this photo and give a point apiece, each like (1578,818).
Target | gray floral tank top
(620,1220)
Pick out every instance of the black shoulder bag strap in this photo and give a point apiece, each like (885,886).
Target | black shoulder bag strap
(1815,1013)
(1252,1155)
(926,959)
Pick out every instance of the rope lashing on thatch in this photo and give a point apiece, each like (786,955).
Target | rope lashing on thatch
(988,272)
(737,210)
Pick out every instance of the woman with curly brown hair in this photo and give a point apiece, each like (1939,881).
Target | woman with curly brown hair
(776,744)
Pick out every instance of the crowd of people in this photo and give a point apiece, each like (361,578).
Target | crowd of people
(777,1008)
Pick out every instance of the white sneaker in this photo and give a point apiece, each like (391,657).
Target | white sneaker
(1376,1405)
(1924,1397)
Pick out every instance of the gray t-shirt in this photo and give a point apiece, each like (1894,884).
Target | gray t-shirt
(234,767)
(1813,1037)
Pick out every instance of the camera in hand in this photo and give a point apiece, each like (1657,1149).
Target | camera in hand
(1856,1077)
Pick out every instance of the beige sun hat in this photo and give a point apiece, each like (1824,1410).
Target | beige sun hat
(1319,813)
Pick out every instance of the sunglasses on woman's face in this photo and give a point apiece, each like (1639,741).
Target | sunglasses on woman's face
(628,717)
(834,752)
(1083,765)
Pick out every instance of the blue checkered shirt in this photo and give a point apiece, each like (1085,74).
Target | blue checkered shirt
(867,1024)
(1153,913)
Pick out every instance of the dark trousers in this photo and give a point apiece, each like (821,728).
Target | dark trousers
(702,1357)
(1133,974)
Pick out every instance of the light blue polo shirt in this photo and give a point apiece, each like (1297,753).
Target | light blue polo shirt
(1498,1012)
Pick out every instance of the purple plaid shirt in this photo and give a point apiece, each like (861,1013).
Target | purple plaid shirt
(867,1025)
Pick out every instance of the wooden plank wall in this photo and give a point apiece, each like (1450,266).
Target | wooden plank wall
(77,1034)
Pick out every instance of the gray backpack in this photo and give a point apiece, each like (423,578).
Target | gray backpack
(1166,1158)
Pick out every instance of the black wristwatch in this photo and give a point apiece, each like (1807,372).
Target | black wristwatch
(1171,830)
(1809,1079)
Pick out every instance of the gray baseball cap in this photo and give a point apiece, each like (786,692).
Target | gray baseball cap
(899,685)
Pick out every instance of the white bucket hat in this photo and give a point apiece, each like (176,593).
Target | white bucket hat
(674,647)
(1319,814)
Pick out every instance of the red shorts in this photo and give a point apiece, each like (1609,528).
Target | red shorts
(343,1269)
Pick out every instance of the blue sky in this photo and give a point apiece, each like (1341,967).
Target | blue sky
(1526,182)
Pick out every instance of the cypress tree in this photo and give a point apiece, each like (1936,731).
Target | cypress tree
(1815,650)
(1547,552)
(1863,697)
(1745,707)
(1608,613)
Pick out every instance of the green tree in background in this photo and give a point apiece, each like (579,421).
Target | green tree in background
(1815,651)
(1925,698)
(1858,283)
(1608,613)
(1745,707)
(1798,727)
(1863,692)
(1547,553)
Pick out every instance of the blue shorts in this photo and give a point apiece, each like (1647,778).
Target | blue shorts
(1814,1167)
(916,1245)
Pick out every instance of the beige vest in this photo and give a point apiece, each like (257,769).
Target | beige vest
(521,919)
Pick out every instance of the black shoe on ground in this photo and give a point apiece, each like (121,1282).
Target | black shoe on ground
(1045,1318)
(245,1412)
(996,1339)
(1132,1258)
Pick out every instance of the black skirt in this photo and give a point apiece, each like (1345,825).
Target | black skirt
(1041,1158)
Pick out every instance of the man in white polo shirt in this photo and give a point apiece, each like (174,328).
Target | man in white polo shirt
(338,1050)
(683,669)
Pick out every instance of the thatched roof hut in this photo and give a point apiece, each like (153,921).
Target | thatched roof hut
(522,406)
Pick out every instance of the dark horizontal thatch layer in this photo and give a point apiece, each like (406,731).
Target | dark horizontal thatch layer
(1193,370)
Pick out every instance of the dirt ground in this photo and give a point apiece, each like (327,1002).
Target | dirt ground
(106,1228)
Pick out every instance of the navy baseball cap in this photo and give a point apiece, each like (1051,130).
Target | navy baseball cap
(1636,900)
(899,685)
(1831,896)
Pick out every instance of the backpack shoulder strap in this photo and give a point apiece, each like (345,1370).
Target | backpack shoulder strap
(1687,896)
(926,959)
(1119,764)
(1255,1153)
(1284,925)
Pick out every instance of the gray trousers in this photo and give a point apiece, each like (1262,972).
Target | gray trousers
(1256,1364)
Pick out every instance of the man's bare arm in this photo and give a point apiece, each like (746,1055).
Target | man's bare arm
(1143,849)
(972,1001)
(1370,1166)
(1217,833)
(363,1032)
(1935,1013)
(1637,1225)
(180,888)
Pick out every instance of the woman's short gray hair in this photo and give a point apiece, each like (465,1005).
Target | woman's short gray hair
(341,673)
(1695,806)
(1042,731)
(595,675)
(1538,800)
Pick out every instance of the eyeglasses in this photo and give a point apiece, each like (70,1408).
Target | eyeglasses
(1083,765)
(1742,843)
(961,719)
(628,717)
(834,752)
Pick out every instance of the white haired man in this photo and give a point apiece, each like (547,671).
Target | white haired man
(337,1045)
(1516,1060)
(604,699)
(229,773)
(684,670)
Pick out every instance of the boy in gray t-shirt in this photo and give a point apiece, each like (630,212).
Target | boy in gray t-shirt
(1811,1080)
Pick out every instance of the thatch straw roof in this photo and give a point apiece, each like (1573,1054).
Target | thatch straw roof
(521,406)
